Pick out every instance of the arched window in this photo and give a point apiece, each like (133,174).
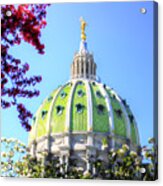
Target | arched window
(80,93)
(113,96)
(59,110)
(104,86)
(100,109)
(80,83)
(91,65)
(34,118)
(131,118)
(93,83)
(63,94)
(77,67)
(79,108)
(87,67)
(43,114)
(82,67)
(50,98)
(98,94)
(118,112)
(124,102)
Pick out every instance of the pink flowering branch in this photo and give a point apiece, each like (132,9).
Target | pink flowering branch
(25,24)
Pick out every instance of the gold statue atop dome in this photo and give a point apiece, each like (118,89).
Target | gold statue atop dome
(83,25)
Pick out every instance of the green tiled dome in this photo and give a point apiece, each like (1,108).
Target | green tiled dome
(79,116)
(72,107)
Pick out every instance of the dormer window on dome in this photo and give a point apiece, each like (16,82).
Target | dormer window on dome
(79,108)
(63,94)
(93,83)
(113,96)
(59,109)
(80,93)
(118,112)
(124,102)
(34,118)
(70,84)
(100,109)
(80,83)
(50,98)
(131,118)
(104,86)
(98,94)
(43,114)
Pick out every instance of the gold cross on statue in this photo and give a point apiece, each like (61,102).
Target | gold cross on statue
(83,25)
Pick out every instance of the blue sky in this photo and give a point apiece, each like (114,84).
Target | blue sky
(121,39)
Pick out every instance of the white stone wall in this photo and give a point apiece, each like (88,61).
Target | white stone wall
(78,150)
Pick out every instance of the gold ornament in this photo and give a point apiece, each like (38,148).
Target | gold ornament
(83,25)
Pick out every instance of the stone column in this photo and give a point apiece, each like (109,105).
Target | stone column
(72,71)
(80,68)
(66,162)
(34,148)
(89,149)
(94,70)
(91,66)
(77,68)
(88,165)
(61,162)
(89,69)
(85,63)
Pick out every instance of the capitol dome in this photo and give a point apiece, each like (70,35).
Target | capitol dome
(83,117)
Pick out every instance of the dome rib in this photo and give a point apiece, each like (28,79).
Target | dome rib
(110,112)
(137,133)
(125,113)
(33,133)
(79,120)
(119,121)
(100,121)
(134,129)
(49,127)
(58,121)
(89,107)
(69,106)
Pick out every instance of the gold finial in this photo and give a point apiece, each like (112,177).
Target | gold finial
(83,25)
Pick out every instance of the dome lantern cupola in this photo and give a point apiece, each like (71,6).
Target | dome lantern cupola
(83,65)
